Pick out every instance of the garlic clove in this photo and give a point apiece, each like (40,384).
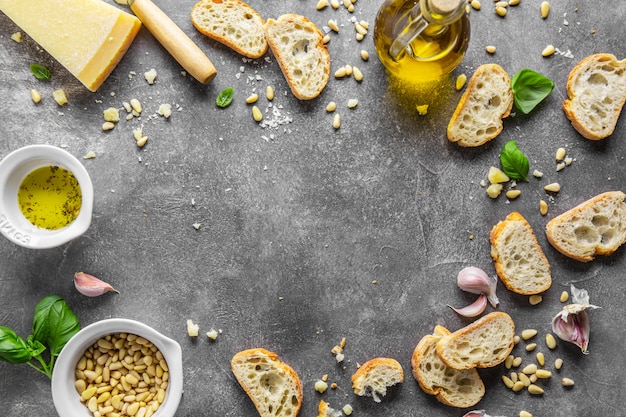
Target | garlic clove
(91,286)
(572,323)
(476,281)
(474,309)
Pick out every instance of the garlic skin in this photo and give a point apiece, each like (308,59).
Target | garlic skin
(474,309)
(91,286)
(478,413)
(476,281)
(572,323)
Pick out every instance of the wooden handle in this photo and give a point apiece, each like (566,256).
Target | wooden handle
(174,40)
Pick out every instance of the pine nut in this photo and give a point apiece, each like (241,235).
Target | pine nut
(252,98)
(460,82)
(543,208)
(533,378)
(524,379)
(525,414)
(348,70)
(360,29)
(518,386)
(365,55)
(560,166)
(535,299)
(514,2)
(256,114)
(535,389)
(490,49)
(514,377)
(567,382)
(507,381)
(564,297)
(35,96)
(560,154)
(550,341)
(352,103)
(548,51)
(516,339)
(508,362)
(517,361)
(334,4)
(541,359)
(357,74)
(529,334)
(337,121)
(326,39)
(321,4)
(331,107)
(269,93)
(545,9)
(530,347)
(502,4)
(136,105)
(543,373)
(359,37)
(108,126)
(558,363)
(332,24)
(500,11)
(530,369)
(341,72)
(475,4)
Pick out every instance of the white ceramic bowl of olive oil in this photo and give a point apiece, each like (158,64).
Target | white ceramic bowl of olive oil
(65,390)
(46,197)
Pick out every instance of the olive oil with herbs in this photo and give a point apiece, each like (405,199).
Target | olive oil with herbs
(50,197)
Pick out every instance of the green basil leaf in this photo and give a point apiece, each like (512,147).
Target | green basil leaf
(40,72)
(13,349)
(225,98)
(35,347)
(529,89)
(54,323)
(41,319)
(514,162)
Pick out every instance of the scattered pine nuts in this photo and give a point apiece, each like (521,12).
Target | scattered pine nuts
(524,379)
(525,414)
(321,4)
(514,2)
(490,49)
(555,187)
(535,299)
(518,386)
(475,4)
(136,105)
(502,4)
(558,363)
(357,74)
(529,334)
(460,82)
(535,389)
(508,362)
(256,114)
(332,24)
(352,103)
(337,121)
(529,369)
(507,381)
(365,55)
(360,29)
(334,4)
(348,68)
(543,373)
(517,361)
(331,107)
(142,141)
(341,72)
(548,51)
(500,11)
(541,360)
(269,92)
(545,9)
(108,126)
(326,39)
(35,96)
(560,154)
(550,341)
(543,208)
(567,382)
(513,194)
(537,174)
(564,297)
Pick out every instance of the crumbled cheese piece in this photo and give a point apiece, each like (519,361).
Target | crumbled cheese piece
(150,76)
(17,37)
(321,386)
(196,226)
(89,155)
(347,409)
(422,109)
(192,328)
(212,334)
(165,110)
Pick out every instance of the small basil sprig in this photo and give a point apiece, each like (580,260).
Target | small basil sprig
(54,324)
(225,98)
(40,72)
(514,162)
(529,89)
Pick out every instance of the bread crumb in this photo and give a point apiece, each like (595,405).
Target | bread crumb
(192,328)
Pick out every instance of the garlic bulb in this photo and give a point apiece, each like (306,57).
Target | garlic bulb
(474,309)
(572,323)
(476,281)
(91,286)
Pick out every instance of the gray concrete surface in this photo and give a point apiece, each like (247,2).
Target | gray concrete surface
(308,235)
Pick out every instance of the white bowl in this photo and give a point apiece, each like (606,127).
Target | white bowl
(66,398)
(13,169)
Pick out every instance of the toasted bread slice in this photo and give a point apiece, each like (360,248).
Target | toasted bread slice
(594,227)
(273,386)
(456,388)
(297,44)
(597,91)
(325,410)
(374,377)
(233,23)
(519,260)
(487,100)
(481,344)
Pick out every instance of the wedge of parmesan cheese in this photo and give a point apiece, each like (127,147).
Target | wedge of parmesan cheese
(88,37)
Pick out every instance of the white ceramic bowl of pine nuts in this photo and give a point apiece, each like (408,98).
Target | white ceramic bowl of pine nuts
(118,367)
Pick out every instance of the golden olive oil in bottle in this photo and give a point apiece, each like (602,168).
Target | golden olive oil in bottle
(438,48)
(50,197)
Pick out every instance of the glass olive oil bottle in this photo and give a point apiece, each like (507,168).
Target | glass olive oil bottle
(50,197)
(421,40)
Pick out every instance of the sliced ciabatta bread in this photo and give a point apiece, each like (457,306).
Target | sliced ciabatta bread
(325,410)
(520,263)
(597,91)
(233,23)
(273,386)
(297,44)
(487,100)
(456,388)
(595,227)
(376,375)
(481,344)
